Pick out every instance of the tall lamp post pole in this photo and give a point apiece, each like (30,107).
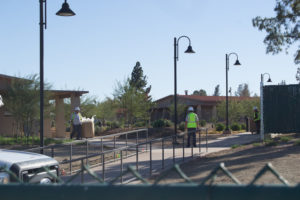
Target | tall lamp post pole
(64,11)
(176,58)
(237,62)
(262,131)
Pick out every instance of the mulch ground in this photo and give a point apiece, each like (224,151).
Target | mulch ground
(244,163)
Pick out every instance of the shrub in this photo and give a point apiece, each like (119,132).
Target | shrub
(108,124)
(270,142)
(243,126)
(182,126)
(168,123)
(235,146)
(220,127)
(115,124)
(297,142)
(97,130)
(158,123)
(256,144)
(140,124)
(202,123)
(235,127)
(285,138)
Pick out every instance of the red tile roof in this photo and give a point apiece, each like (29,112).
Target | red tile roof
(206,98)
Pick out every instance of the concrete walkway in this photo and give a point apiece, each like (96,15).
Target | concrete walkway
(152,162)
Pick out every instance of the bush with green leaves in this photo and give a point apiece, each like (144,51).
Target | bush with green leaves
(108,123)
(115,124)
(29,140)
(220,127)
(271,142)
(97,130)
(158,123)
(168,123)
(202,123)
(182,126)
(235,127)
(285,138)
(238,109)
(140,124)
(243,126)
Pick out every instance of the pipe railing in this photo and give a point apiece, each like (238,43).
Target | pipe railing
(135,152)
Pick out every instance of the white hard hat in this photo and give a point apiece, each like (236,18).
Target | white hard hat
(191,109)
(254,108)
(77,109)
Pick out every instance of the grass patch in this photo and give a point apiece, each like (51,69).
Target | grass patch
(297,142)
(29,141)
(256,144)
(271,142)
(235,146)
(285,138)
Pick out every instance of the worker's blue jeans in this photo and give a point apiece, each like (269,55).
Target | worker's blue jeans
(76,129)
(191,133)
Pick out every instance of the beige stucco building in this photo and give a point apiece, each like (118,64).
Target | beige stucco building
(204,106)
(7,122)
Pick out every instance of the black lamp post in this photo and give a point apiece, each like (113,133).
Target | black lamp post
(64,11)
(262,127)
(237,62)
(189,50)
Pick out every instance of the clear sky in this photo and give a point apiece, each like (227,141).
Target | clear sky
(101,44)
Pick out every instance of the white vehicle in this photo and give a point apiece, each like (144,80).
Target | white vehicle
(27,166)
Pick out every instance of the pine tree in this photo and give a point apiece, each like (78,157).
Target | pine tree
(138,80)
(243,90)
(217,91)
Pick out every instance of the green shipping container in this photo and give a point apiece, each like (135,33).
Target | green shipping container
(281,108)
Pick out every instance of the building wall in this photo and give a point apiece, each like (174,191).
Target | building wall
(204,111)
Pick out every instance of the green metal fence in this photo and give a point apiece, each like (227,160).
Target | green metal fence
(281,108)
(205,190)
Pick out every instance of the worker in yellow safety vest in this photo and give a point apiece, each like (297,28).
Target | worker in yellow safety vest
(191,125)
(256,119)
(76,121)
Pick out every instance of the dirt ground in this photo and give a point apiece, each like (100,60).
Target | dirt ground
(244,163)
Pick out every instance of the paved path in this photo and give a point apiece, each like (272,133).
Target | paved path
(163,158)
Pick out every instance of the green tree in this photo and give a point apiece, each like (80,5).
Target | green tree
(217,91)
(181,111)
(22,101)
(201,92)
(135,104)
(282,82)
(196,92)
(298,75)
(88,106)
(107,110)
(243,90)
(283,30)
(237,109)
(138,80)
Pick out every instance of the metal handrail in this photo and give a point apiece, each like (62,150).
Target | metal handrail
(136,147)
(126,147)
(87,139)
